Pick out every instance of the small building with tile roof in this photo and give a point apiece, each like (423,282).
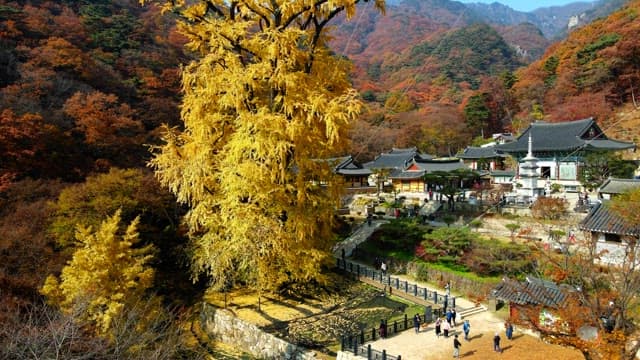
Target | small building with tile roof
(533,293)
(482,158)
(400,168)
(610,232)
(411,178)
(560,148)
(613,187)
(353,174)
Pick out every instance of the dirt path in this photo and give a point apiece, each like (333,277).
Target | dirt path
(426,346)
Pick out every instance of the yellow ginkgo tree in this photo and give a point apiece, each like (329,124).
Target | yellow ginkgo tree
(264,102)
(107,273)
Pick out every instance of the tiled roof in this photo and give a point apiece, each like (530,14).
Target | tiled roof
(396,159)
(568,135)
(362,172)
(601,219)
(474,152)
(399,174)
(390,161)
(533,291)
(618,186)
(503,173)
(432,165)
(345,165)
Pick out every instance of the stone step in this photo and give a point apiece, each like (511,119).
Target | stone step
(472,311)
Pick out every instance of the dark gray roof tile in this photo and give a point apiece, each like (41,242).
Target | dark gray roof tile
(567,136)
(601,219)
(618,186)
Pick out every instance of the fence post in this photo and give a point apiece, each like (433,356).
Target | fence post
(427,314)
(343,343)
(395,326)
(397,283)
(362,336)
(399,357)
(405,321)
(446,302)
(373,334)
(415,290)
(369,352)
(453,302)
(355,347)
(384,354)
(426,292)
(351,267)
(435,297)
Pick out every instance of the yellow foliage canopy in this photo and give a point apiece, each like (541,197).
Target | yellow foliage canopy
(265,100)
(106,273)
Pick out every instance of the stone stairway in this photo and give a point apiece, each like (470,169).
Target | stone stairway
(465,313)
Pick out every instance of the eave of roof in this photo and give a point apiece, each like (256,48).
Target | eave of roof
(474,152)
(618,186)
(531,292)
(562,136)
(601,219)
(352,172)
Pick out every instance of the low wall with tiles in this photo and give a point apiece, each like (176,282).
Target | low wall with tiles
(221,325)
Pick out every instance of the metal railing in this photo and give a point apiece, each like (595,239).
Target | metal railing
(396,283)
(351,344)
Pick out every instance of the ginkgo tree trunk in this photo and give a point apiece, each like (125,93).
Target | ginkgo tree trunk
(264,102)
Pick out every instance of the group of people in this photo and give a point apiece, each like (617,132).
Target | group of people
(496,338)
(508,329)
(443,326)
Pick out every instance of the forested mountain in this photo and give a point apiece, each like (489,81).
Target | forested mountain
(426,59)
(84,89)
(84,85)
(590,73)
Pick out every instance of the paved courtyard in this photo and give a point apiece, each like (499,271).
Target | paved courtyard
(426,346)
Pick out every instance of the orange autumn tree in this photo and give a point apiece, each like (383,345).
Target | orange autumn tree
(601,297)
(264,100)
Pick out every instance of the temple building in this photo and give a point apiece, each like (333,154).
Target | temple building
(559,149)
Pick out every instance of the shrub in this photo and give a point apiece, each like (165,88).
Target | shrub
(549,208)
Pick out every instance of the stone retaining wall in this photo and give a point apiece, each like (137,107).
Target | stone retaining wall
(459,285)
(345,355)
(221,325)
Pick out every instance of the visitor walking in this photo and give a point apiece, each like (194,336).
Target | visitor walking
(447,288)
(456,347)
(445,328)
(449,316)
(382,330)
(496,343)
(453,316)
(438,325)
(416,322)
(466,327)
(383,268)
(509,330)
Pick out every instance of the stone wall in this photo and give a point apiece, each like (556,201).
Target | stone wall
(221,325)
(345,355)
(459,285)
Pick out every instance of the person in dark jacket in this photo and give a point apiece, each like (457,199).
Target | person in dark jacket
(496,343)
(416,322)
(456,347)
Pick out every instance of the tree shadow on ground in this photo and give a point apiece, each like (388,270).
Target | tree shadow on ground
(468,353)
